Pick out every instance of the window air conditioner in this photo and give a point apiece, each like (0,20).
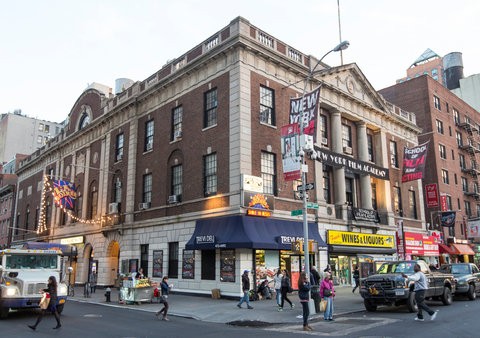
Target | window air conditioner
(177,134)
(143,206)
(324,141)
(119,157)
(149,145)
(172,199)
(113,208)
(347,150)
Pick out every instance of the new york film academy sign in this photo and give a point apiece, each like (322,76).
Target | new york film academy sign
(330,158)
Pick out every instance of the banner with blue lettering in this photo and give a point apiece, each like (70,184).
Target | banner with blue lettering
(414,162)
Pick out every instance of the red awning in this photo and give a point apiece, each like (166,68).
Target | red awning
(446,249)
(463,249)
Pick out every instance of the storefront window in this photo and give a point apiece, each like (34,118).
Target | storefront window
(227,266)
(266,265)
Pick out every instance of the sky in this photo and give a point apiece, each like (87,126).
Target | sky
(51,50)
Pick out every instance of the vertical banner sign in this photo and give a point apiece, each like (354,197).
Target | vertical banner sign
(307,107)
(431,194)
(443,202)
(414,162)
(64,194)
(447,219)
(291,159)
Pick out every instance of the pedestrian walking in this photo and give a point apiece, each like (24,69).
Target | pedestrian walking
(286,288)
(51,291)
(315,280)
(327,292)
(165,289)
(277,284)
(246,290)
(421,285)
(356,278)
(303,293)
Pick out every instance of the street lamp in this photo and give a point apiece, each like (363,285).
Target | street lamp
(341,46)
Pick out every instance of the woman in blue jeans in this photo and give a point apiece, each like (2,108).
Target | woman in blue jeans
(327,292)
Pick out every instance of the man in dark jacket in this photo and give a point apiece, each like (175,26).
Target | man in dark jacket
(245,289)
(315,280)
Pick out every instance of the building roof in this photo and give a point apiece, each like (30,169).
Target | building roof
(427,55)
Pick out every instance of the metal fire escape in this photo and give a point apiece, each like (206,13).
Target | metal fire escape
(473,149)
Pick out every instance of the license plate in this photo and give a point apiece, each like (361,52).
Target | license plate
(399,292)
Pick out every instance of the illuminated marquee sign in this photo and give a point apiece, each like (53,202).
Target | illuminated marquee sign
(360,239)
(258,204)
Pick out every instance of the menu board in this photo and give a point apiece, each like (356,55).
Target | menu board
(227,266)
(188,266)
(158,263)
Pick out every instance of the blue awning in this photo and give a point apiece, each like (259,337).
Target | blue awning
(67,249)
(239,231)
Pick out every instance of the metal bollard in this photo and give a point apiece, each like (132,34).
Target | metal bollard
(108,292)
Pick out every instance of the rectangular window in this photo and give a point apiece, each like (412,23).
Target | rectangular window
(442,151)
(397,201)
(173,260)
(412,201)
(445,178)
(463,164)
(370,147)
(211,104)
(436,102)
(346,136)
(177,118)
(468,209)
(147,188)
(323,129)
(210,174)
(40,139)
(267,106)
(393,154)
(458,137)
(374,196)
(177,180)
(119,147)
(268,170)
(40,127)
(439,126)
(208,265)
(149,130)
(349,191)
(456,116)
(47,128)
(326,186)
(464,184)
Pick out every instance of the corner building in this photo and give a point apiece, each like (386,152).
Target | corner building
(181,173)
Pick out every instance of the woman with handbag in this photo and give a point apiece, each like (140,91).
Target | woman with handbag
(49,293)
(286,288)
(164,298)
(327,292)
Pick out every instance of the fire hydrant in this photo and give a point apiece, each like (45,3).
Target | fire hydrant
(108,292)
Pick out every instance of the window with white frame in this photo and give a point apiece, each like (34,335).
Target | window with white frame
(370,148)
(211,104)
(267,105)
(323,129)
(445,178)
(268,170)
(147,188)
(210,174)
(393,154)
(346,136)
(177,118)
(397,201)
(119,147)
(442,151)
(463,163)
(177,180)
(456,116)
(149,131)
(439,126)
(464,184)
(468,209)
(458,137)
(436,102)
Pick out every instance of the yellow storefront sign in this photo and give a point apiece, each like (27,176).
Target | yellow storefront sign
(360,239)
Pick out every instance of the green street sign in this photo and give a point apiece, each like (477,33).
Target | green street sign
(296,212)
(311,205)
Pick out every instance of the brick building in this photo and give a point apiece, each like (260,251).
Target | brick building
(165,170)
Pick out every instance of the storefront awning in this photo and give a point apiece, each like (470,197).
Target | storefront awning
(463,249)
(249,232)
(445,249)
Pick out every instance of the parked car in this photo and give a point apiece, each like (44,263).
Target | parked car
(467,276)
(388,287)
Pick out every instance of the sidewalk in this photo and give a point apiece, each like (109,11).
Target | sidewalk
(225,311)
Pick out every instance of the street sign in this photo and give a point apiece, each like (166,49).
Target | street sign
(296,212)
(308,186)
(311,205)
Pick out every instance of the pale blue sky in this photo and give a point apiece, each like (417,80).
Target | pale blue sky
(50,50)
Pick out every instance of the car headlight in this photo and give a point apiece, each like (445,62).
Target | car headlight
(10,292)
(462,282)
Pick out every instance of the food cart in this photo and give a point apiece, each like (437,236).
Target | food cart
(136,291)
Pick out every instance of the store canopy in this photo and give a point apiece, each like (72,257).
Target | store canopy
(249,232)
(463,249)
(445,249)
(67,249)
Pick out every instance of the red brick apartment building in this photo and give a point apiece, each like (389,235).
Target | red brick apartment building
(452,128)
(166,170)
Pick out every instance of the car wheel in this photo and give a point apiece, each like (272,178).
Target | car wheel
(471,292)
(411,302)
(369,306)
(447,296)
